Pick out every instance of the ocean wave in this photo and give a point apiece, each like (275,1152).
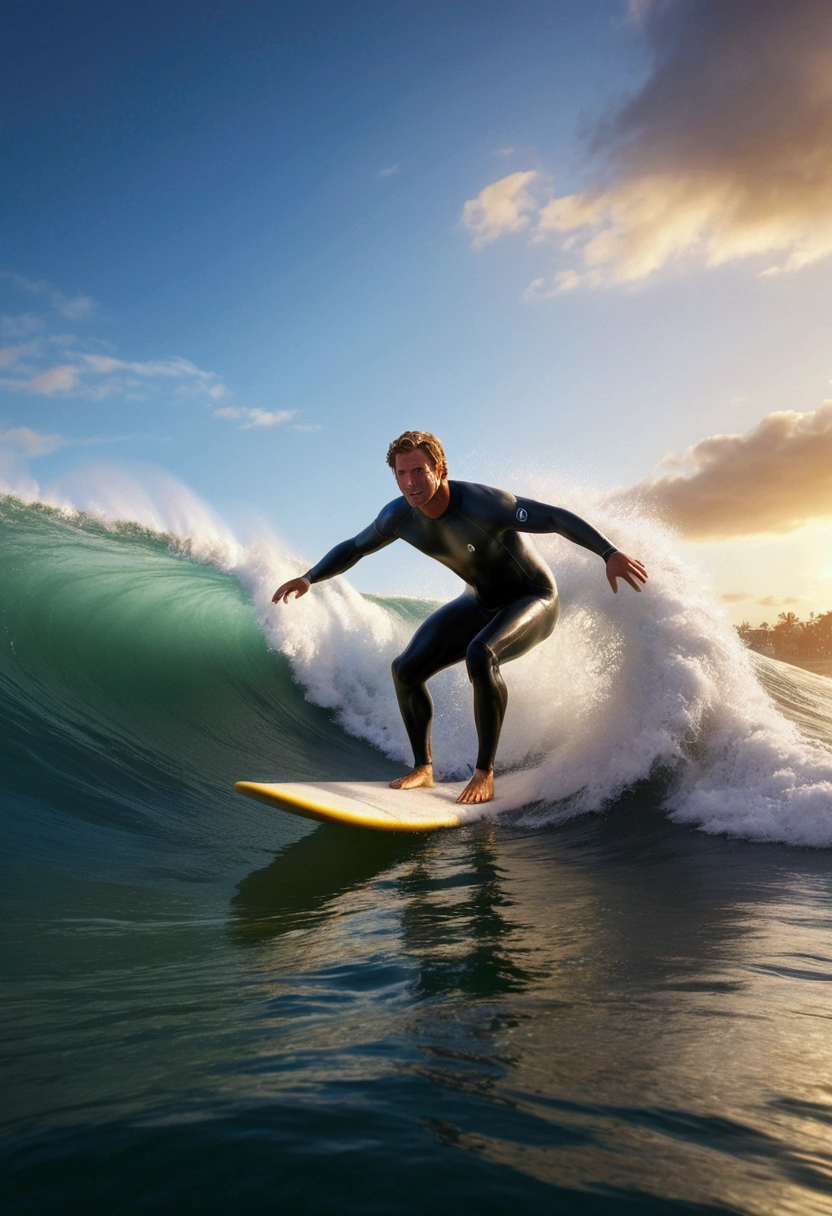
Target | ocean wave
(142,656)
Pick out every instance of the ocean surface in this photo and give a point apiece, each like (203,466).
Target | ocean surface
(613,999)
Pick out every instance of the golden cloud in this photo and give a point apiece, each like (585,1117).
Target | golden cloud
(724,153)
(500,207)
(775,478)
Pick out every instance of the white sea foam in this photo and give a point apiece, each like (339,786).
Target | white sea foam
(628,685)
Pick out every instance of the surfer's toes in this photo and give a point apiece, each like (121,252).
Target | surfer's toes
(479,789)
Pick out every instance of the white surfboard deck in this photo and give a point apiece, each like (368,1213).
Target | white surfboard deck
(372,804)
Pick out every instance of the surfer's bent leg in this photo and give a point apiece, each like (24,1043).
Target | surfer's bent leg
(441,641)
(510,632)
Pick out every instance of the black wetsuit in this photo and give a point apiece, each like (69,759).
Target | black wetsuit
(510,605)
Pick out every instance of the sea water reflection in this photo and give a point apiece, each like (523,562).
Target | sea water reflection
(621,1010)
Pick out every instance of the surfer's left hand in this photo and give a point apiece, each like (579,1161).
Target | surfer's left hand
(619,565)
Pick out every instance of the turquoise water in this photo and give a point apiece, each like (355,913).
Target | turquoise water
(210,1003)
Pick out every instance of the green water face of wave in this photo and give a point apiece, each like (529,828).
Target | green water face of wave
(136,685)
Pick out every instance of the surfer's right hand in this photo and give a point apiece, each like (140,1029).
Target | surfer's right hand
(300,586)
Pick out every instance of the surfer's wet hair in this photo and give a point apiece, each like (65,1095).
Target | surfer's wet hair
(410,440)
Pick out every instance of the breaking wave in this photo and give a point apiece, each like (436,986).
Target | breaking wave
(142,658)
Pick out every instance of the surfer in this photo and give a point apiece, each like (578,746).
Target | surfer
(510,603)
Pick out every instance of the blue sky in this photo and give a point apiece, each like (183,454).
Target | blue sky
(235,247)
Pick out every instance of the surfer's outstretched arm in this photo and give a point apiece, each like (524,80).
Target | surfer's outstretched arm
(539,517)
(340,559)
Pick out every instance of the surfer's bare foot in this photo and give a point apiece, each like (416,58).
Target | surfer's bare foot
(420,778)
(479,789)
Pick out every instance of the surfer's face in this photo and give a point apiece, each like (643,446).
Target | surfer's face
(417,477)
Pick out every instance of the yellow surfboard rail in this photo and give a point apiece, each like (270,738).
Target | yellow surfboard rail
(343,803)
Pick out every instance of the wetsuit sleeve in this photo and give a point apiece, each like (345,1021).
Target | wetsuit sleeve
(531,516)
(344,556)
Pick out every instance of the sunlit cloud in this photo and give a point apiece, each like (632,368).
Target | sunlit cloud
(724,153)
(499,208)
(540,289)
(778,601)
(775,478)
(767,601)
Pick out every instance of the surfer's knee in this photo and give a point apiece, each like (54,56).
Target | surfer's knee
(404,671)
(481,661)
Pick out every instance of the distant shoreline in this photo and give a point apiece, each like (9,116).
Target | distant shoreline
(806,644)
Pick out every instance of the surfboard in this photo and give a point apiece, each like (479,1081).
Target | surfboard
(368,804)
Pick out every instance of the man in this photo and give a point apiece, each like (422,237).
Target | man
(510,603)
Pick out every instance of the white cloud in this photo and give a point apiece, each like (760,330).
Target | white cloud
(28,443)
(9,355)
(255,417)
(389,171)
(79,308)
(171,368)
(499,208)
(55,380)
(22,326)
(74,308)
(94,376)
(88,374)
(18,445)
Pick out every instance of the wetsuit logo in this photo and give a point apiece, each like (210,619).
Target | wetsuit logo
(522,514)
(471,549)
